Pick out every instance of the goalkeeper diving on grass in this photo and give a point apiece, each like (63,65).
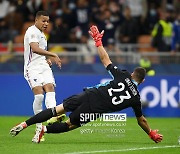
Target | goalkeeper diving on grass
(118,94)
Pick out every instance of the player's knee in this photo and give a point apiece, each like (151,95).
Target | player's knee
(38,90)
(50,100)
(48,87)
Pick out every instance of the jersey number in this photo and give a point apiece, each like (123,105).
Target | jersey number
(121,97)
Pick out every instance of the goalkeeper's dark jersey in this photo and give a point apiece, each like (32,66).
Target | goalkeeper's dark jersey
(115,95)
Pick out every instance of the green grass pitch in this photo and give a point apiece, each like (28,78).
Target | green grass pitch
(125,138)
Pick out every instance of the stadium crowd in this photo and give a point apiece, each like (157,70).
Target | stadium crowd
(124,21)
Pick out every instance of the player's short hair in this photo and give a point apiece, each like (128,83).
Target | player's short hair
(42,13)
(139,74)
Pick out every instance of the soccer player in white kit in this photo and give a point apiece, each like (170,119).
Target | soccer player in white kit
(37,70)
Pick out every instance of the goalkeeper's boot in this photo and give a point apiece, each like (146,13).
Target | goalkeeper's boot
(15,130)
(56,119)
(38,134)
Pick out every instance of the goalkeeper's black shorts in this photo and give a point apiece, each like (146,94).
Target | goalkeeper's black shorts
(79,105)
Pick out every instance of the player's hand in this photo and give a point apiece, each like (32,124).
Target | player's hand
(96,35)
(49,62)
(56,60)
(155,136)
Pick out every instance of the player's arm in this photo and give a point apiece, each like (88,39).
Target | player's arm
(97,37)
(36,49)
(142,122)
(49,61)
(153,134)
(104,56)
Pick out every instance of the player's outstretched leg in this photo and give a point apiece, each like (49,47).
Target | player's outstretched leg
(17,129)
(38,118)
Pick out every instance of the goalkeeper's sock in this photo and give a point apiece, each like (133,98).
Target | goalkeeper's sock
(42,116)
(57,128)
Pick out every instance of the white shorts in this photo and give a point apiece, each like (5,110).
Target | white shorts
(39,75)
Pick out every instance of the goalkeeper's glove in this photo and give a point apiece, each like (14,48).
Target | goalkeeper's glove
(96,35)
(155,136)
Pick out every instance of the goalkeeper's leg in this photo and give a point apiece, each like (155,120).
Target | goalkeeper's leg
(38,118)
(59,127)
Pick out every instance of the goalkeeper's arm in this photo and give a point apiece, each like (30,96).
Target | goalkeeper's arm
(97,37)
(142,122)
(153,134)
(104,56)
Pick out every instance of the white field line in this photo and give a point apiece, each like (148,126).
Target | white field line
(124,150)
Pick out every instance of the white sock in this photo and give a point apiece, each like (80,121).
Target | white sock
(50,100)
(37,105)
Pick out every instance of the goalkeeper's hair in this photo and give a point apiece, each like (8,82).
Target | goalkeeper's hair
(139,74)
(43,13)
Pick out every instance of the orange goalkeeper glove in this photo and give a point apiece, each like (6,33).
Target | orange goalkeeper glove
(96,35)
(155,136)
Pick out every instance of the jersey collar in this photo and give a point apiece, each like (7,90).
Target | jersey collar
(135,82)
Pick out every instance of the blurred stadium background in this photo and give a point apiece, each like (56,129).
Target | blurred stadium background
(131,39)
(128,26)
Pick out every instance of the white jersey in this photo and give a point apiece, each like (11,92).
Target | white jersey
(33,34)
(37,71)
